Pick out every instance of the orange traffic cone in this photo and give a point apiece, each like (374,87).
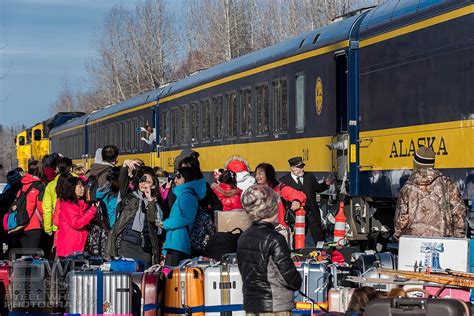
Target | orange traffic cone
(300,225)
(340,225)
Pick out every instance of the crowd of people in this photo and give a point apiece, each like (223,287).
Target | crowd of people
(136,211)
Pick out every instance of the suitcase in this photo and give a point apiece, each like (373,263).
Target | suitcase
(184,292)
(4,282)
(123,265)
(315,282)
(448,292)
(437,253)
(148,297)
(98,292)
(223,291)
(414,307)
(339,298)
(30,286)
(339,276)
(366,261)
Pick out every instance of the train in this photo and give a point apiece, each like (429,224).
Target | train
(354,98)
(34,143)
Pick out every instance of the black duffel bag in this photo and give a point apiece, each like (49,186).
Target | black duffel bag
(222,243)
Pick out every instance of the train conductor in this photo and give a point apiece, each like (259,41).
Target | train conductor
(306,182)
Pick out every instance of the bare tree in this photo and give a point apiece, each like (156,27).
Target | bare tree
(65,99)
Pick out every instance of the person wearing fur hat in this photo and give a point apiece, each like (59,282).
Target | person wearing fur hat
(269,275)
(240,166)
(429,204)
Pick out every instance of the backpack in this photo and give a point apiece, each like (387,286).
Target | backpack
(222,243)
(92,185)
(17,218)
(98,232)
(201,231)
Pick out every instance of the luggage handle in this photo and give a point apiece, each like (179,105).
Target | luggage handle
(409,303)
(37,252)
(313,302)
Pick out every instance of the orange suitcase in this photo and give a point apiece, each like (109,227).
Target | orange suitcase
(184,292)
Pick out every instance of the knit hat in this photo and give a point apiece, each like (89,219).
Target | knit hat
(260,202)
(424,158)
(237,164)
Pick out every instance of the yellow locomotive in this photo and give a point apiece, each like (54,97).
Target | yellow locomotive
(33,143)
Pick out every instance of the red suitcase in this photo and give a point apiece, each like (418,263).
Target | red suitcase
(150,292)
(4,281)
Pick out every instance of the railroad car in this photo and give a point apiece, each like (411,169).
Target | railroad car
(33,143)
(355,98)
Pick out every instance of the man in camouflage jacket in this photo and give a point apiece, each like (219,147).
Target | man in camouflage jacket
(430,204)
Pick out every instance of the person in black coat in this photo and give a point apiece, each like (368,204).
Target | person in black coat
(307,183)
(269,275)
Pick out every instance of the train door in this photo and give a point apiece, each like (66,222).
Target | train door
(341,138)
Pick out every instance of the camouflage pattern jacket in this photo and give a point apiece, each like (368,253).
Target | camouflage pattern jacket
(430,205)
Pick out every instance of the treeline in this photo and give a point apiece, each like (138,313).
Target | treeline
(142,48)
(8,153)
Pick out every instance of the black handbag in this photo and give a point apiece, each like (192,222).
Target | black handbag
(222,243)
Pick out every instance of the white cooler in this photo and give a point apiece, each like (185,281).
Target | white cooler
(437,253)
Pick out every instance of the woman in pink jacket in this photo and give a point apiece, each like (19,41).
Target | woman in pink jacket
(74,217)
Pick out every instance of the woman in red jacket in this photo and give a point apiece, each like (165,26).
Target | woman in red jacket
(265,174)
(74,217)
(227,191)
(30,237)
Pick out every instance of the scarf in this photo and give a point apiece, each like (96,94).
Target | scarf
(140,215)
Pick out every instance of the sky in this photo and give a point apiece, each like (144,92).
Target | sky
(42,41)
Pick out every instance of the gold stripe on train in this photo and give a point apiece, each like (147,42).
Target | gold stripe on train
(318,157)
(394,148)
(419,25)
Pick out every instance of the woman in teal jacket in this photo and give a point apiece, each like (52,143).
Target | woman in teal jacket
(188,190)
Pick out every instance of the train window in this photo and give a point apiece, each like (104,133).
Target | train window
(205,119)
(135,136)
(127,135)
(21,140)
(117,134)
(262,109)
(280,106)
(232,114)
(194,122)
(184,124)
(37,134)
(300,103)
(315,39)
(175,126)
(218,109)
(246,112)
(301,44)
(164,128)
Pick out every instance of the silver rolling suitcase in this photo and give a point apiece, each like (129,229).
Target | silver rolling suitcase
(315,282)
(98,292)
(223,291)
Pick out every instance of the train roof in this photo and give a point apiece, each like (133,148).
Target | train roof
(81,120)
(140,99)
(326,35)
(393,14)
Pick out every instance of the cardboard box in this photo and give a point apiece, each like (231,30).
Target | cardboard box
(437,253)
(227,221)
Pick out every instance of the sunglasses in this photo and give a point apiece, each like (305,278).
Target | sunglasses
(178,176)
